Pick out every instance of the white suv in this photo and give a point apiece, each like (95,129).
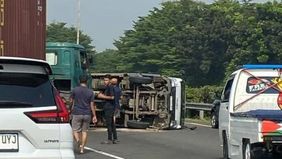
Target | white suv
(33,118)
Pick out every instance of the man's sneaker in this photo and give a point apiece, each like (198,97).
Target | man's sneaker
(107,142)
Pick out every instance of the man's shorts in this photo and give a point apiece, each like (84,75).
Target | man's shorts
(80,123)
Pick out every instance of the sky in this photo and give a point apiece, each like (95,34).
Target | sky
(103,20)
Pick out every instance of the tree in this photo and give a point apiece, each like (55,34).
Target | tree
(59,32)
(106,61)
(174,41)
(201,43)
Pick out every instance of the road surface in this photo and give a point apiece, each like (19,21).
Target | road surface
(202,143)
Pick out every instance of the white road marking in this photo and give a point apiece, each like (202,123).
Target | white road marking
(203,125)
(103,153)
(128,130)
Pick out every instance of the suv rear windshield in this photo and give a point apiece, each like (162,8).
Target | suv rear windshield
(254,85)
(25,90)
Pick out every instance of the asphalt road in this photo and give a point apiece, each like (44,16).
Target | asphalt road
(202,143)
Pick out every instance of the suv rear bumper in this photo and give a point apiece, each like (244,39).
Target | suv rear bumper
(41,154)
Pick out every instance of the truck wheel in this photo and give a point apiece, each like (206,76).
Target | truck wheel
(100,87)
(214,122)
(225,146)
(276,153)
(137,124)
(141,80)
(247,151)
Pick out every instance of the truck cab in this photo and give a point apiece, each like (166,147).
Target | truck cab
(250,116)
(68,61)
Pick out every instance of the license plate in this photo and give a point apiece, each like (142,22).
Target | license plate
(9,142)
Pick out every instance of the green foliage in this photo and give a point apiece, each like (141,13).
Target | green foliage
(205,94)
(202,43)
(106,61)
(59,32)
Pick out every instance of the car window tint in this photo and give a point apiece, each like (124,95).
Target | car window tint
(34,89)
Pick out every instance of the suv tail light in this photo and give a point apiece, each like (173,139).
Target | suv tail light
(279,100)
(60,115)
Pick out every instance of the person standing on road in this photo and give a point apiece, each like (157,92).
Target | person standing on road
(82,101)
(109,110)
(117,92)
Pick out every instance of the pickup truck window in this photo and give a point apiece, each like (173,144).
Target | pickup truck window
(255,85)
(227,89)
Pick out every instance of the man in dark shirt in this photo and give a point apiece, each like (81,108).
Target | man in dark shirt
(117,95)
(117,92)
(109,109)
(82,101)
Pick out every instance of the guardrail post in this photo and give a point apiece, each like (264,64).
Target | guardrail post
(201,114)
(199,107)
(187,113)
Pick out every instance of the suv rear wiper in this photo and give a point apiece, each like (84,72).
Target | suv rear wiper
(14,104)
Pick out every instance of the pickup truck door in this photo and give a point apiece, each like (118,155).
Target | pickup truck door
(224,114)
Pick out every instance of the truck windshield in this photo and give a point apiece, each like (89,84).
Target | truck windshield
(52,58)
(25,90)
(58,57)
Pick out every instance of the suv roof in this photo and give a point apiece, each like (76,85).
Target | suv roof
(25,61)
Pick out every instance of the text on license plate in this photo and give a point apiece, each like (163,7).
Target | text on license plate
(9,142)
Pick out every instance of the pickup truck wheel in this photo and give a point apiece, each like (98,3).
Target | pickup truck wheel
(276,153)
(214,122)
(225,146)
(247,151)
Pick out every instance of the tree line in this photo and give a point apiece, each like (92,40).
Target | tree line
(201,43)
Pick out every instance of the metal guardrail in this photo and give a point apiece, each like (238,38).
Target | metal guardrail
(201,107)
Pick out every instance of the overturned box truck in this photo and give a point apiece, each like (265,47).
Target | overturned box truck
(22,28)
(148,100)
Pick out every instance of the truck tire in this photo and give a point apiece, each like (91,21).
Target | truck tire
(141,80)
(247,150)
(214,121)
(225,146)
(100,87)
(137,124)
(276,155)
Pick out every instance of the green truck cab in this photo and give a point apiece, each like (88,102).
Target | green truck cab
(68,61)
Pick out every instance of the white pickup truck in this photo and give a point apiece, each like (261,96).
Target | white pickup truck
(250,116)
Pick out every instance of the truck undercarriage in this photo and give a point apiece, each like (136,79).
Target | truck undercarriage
(145,101)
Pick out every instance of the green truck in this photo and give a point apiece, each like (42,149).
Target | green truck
(68,62)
